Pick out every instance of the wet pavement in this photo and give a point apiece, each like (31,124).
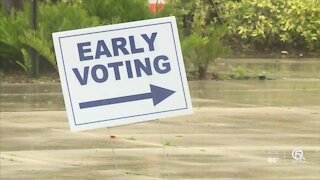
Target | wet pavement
(231,93)
(245,129)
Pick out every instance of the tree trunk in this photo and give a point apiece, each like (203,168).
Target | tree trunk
(11,4)
(203,72)
(17,4)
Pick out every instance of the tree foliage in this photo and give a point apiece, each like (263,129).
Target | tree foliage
(206,27)
(204,33)
(16,36)
(116,11)
(275,23)
(11,27)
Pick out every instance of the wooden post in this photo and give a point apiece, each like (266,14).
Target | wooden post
(33,23)
(7,5)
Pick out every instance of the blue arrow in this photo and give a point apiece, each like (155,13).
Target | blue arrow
(157,95)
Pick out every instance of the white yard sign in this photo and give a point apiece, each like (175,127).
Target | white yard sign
(122,74)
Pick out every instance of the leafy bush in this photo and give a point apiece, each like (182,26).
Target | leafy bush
(275,23)
(204,33)
(11,27)
(59,17)
(251,24)
(17,37)
(116,11)
(200,52)
(240,72)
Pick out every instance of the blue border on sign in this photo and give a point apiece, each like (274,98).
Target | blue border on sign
(177,57)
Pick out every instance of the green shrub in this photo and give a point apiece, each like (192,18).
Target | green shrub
(11,27)
(117,11)
(53,18)
(275,23)
(9,56)
(240,72)
(16,35)
(26,64)
(203,36)
(200,52)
